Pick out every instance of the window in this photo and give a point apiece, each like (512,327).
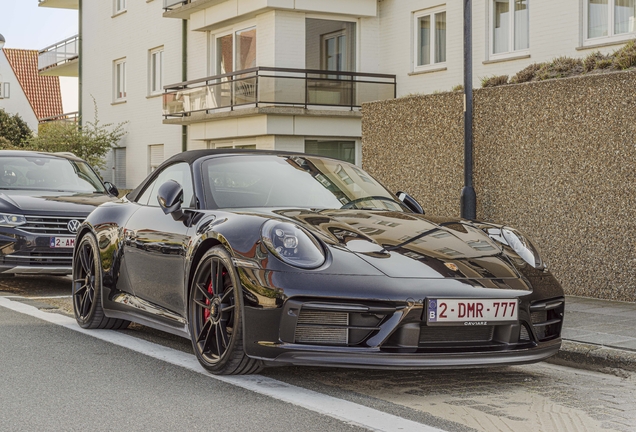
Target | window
(509,26)
(120,80)
(180,173)
(236,51)
(610,18)
(156,71)
(343,150)
(120,6)
(5,92)
(119,168)
(430,38)
(155,156)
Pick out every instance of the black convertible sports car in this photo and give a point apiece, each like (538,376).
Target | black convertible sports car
(266,258)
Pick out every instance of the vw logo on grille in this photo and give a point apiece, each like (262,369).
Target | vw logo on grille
(73,225)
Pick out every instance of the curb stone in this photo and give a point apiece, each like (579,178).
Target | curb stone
(595,357)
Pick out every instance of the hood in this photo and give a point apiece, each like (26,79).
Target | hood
(45,202)
(409,245)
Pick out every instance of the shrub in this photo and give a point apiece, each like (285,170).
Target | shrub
(458,88)
(494,81)
(560,67)
(596,60)
(14,132)
(526,74)
(625,57)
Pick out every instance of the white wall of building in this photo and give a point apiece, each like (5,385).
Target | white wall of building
(17,102)
(131,35)
(556,29)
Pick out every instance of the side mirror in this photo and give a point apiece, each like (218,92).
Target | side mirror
(410,202)
(170,197)
(111,189)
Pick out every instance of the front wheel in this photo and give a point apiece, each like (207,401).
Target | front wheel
(215,316)
(87,288)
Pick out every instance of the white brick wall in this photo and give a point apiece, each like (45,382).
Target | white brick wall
(131,35)
(556,29)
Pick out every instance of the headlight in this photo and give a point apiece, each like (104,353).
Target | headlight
(291,244)
(10,220)
(518,243)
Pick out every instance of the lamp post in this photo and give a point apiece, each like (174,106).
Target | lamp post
(468,198)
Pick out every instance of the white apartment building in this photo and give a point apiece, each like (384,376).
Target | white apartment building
(292,74)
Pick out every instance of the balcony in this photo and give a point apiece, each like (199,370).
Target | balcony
(72,117)
(61,4)
(276,91)
(60,59)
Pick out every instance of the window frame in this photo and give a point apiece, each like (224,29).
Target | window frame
(215,63)
(153,54)
(117,83)
(511,33)
(611,36)
(119,6)
(417,16)
(151,183)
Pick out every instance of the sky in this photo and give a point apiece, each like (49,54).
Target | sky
(25,25)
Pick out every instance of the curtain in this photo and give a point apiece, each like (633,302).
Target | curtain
(522,35)
(440,37)
(597,18)
(501,26)
(624,15)
(424,52)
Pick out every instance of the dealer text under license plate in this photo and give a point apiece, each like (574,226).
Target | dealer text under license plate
(471,311)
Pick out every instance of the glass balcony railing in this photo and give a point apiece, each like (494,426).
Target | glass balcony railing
(72,117)
(277,87)
(59,53)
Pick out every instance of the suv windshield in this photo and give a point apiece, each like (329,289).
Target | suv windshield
(292,181)
(48,173)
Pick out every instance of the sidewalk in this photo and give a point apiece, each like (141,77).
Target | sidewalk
(598,335)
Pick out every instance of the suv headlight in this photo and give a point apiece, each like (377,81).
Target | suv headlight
(518,243)
(11,220)
(292,245)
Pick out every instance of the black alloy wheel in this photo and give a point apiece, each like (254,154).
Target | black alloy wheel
(215,316)
(87,288)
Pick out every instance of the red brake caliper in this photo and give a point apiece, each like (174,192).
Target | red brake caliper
(206,312)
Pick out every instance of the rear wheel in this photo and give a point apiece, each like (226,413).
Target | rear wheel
(215,316)
(87,288)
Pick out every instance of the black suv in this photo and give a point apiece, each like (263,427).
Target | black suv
(44,197)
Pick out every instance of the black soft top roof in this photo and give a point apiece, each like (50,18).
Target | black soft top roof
(192,155)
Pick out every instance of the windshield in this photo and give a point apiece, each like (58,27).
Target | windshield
(292,181)
(48,173)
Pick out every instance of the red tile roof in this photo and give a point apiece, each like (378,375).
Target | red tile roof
(43,92)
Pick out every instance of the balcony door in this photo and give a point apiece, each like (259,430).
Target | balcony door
(235,52)
(334,51)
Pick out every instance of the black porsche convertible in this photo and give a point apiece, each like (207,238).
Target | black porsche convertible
(266,258)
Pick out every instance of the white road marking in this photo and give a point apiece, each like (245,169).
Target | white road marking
(40,298)
(348,412)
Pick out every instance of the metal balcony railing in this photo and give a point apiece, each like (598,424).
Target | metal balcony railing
(270,87)
(59,53)
(71,117)
(169,5)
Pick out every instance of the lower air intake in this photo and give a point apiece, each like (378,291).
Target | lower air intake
(322,328)
(434,334)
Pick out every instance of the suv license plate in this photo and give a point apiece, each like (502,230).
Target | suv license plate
(62,242)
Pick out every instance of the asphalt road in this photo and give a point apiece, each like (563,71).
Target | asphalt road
(55,377)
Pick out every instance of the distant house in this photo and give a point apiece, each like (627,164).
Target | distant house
(24,91)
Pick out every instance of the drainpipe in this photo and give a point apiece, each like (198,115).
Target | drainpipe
(81,61)
(184,76)
(468,198)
